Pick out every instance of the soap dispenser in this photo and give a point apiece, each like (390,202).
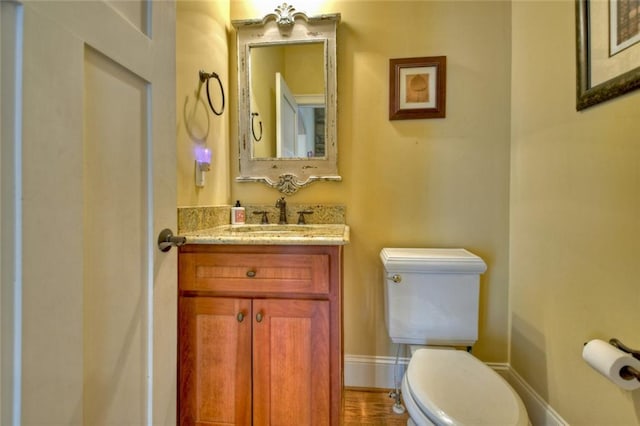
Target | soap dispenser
(237,214)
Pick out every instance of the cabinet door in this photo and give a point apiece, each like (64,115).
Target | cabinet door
(291,366)
(215,361)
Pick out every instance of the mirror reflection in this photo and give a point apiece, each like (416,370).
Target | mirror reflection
(288,100)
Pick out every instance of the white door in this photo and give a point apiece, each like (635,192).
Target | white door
(88,181)
(286,119)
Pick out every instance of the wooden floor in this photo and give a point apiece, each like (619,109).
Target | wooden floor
(370,407)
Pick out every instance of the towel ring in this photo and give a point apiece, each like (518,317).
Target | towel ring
(204,77)
(253,131)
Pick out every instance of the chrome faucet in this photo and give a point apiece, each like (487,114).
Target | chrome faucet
(282,204)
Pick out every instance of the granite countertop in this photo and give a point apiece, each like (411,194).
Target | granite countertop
(210,225)
(314,234)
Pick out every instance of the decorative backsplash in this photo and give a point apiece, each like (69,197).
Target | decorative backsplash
(197,218)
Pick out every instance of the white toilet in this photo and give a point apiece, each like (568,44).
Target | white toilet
(431,303)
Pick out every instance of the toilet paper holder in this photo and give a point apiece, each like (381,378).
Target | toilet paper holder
(618,344)
(627,372)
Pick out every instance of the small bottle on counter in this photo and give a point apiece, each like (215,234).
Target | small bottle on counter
(237,214)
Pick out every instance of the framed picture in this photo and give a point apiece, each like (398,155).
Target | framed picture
(417,88)
(607,50)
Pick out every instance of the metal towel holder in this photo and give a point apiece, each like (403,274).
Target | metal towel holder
(204,78)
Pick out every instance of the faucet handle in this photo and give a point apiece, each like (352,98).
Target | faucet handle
(265,218)
(301,214)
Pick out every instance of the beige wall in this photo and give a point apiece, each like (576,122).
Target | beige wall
(575,222)
(416,182)
(202,43)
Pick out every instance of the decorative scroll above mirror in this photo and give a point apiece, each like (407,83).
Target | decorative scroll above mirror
(287,95)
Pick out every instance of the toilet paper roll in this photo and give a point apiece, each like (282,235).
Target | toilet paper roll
(609,360)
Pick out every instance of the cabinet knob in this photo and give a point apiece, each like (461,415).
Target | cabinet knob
(259,317)
(240,316)
(251,273)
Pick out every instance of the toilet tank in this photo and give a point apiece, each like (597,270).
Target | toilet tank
(432,295)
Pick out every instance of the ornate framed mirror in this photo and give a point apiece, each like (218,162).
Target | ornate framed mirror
(287,99)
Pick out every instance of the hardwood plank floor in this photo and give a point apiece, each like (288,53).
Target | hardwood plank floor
(369,407)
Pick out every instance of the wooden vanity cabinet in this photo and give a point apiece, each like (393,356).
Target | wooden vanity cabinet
(260,335)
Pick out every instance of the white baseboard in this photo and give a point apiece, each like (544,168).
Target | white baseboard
(540,412)
(373,371)
(380,372)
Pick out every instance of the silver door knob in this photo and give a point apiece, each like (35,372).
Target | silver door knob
(166,240)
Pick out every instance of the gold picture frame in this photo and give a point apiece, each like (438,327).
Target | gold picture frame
(417,88)
(602,73)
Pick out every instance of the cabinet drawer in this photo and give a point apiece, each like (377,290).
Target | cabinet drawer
(255,272)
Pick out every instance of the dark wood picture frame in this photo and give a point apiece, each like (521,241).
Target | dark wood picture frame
(417,88)
(586,94)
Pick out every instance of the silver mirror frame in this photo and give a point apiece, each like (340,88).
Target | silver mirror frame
(286,26)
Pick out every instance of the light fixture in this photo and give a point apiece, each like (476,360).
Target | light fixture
(203,164)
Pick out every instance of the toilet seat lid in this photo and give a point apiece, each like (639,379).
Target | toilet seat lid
(454,388)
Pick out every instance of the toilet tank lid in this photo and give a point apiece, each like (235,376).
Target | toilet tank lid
(432,260)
